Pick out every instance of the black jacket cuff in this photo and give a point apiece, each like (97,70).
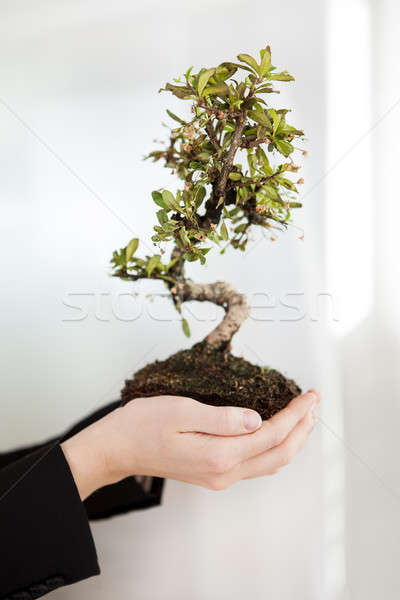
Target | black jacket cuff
(46,540)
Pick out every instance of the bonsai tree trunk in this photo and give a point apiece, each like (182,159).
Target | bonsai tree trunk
(222,294)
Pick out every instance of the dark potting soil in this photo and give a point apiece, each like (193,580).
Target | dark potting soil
(213,377)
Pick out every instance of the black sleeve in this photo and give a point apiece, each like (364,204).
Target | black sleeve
(45,536)
(111,500)
(45,539)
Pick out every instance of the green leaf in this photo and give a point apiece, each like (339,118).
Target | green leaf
(170,201)
(245,67)
(235,176)
(271,192)
(295,204)
(187,74)
(158,199)
(261,117)
(265,62)
(175,117)
(199,196)
(240,228)
(203,156)
(119,258)
(131,249)
(262,158)
(184,237)
(267,89)
(152,264)
(276,119)
(170,225)
(286,129)
(224,232)
(229,127)
(233,212)
(185,327)
(182,92)
(217,90)
(283,76)
(284,148)
(191,256)
(225,70)
(162,216)
(213,236)
(195,165)
(287,183)
(203,80)
(249,60)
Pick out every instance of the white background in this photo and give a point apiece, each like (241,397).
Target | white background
(78,110)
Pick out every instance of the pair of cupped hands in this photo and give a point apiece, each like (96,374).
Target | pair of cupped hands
(180,438)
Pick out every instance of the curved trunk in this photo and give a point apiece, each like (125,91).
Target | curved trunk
(221,294)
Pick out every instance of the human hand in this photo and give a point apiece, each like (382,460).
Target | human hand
(180,438)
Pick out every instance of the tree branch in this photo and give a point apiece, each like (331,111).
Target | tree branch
(213,207)
(253,143)
(230,155)
(222,294)
(212,135)
(177,271)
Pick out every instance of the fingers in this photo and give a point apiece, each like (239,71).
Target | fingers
(275,430)
(222,472)
(219,420)
(271,461)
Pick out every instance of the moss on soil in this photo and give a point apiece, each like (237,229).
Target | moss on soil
(213,377)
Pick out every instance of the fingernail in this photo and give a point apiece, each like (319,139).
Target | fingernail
(251,420)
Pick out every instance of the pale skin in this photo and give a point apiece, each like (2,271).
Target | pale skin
(180,438)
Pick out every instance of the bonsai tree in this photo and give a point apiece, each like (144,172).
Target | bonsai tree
(234,157)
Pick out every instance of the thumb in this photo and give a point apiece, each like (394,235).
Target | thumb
(221,420)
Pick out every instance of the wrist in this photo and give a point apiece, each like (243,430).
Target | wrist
(87,461)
